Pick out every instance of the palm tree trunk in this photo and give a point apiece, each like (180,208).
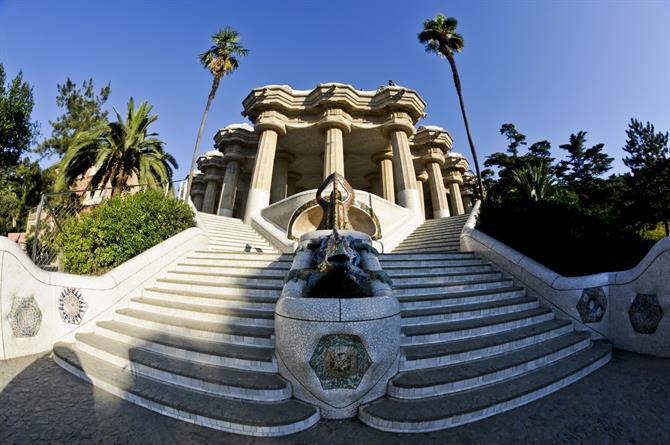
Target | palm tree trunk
(457,82)
(212,93)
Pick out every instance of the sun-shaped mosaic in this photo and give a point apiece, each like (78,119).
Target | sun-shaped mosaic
(71,305)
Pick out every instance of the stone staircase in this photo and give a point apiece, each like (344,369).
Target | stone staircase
(197,345)
(434,235)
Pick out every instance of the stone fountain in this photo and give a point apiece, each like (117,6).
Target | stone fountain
(337,323)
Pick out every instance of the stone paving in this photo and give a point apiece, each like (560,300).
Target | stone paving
(627,401)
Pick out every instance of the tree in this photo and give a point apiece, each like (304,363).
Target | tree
(440,37)
(82,111)
(17,131)
(119,151)
(649,183)
(220,59)
(584,166)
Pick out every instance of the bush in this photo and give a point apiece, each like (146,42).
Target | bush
(119,229)
(563,236)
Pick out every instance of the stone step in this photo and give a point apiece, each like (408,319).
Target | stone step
(427,256)
(442,243)
(430,414)
(206,299)
(249,256)
(234,263)
(463,376)
(229,232)
(402,291)
(231,271)
(411,302)
(445,353)
(442,314)
(203,330)
(216,380)
(198,351)
(226,414)
(231,247)
(223,289)
(226,279)
(429,264)
(437,230)
(213,297)
(243,317)
(455,277)
(457,330)
(427,249)
(426,272)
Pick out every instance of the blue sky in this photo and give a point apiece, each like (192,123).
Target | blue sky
(550,67)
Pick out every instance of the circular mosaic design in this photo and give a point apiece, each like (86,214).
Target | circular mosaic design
(645,313)
(71,305)
(25,317)
(592,305)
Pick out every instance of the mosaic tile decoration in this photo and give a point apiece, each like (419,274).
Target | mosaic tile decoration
(592,305)
(340,361)
(645,313)
(71,305)
(25,317)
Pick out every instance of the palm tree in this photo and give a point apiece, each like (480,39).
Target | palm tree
(440,37)
(534,182)
(119,151)
(220,59)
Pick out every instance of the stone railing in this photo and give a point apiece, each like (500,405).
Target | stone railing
(39,308)
(629,308)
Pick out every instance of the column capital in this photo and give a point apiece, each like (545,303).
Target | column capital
(398,121)
(335,118)
(453,176)
(422,176)
(271,120)
(285,156)
(382,156)
(433,154)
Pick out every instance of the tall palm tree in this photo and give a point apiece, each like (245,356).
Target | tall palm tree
(119,151)
(220,59)
(440,37)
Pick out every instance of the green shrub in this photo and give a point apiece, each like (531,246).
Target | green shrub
(119,229)
(563,236)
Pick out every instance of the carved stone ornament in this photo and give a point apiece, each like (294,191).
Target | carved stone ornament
(71,305)
(592,305)
(645,313)
(25,317)
(340,361)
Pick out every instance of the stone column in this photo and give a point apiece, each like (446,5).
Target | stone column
(335,123)
(280,176)
(454,180)
(211,192)
(198,190)
(211,164)
(229,186)
(291,179)
(399,128)
(385,160)
(269,127)
(420,179)
(438,195)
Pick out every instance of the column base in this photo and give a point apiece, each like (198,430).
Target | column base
(442,213)
(225,212)
(410,199)
(257,200)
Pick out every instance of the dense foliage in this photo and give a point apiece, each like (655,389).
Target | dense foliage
(565,214)
(119,229)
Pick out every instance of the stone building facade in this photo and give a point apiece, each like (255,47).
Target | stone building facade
(299,137)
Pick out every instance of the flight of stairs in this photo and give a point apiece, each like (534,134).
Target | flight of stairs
(232,235)
(197,345)
(434,235)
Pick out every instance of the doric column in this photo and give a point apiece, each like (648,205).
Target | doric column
(211,192)
(399,127)
(291,179)
(229,186)
(211,164)
(280,176)
(198,190)
(269,126)
(420,180)
(385,161)
(335,123)
(454,180)
(438,195)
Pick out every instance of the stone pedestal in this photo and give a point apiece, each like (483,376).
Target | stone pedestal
(337,352)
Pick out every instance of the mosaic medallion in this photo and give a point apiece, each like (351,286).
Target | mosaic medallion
(25,317)
(592,305)
(71,305)
(340,361)
(645,313)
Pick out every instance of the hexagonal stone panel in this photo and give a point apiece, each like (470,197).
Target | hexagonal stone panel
(340,361)
(592,305)
(645,313)
(25,317)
